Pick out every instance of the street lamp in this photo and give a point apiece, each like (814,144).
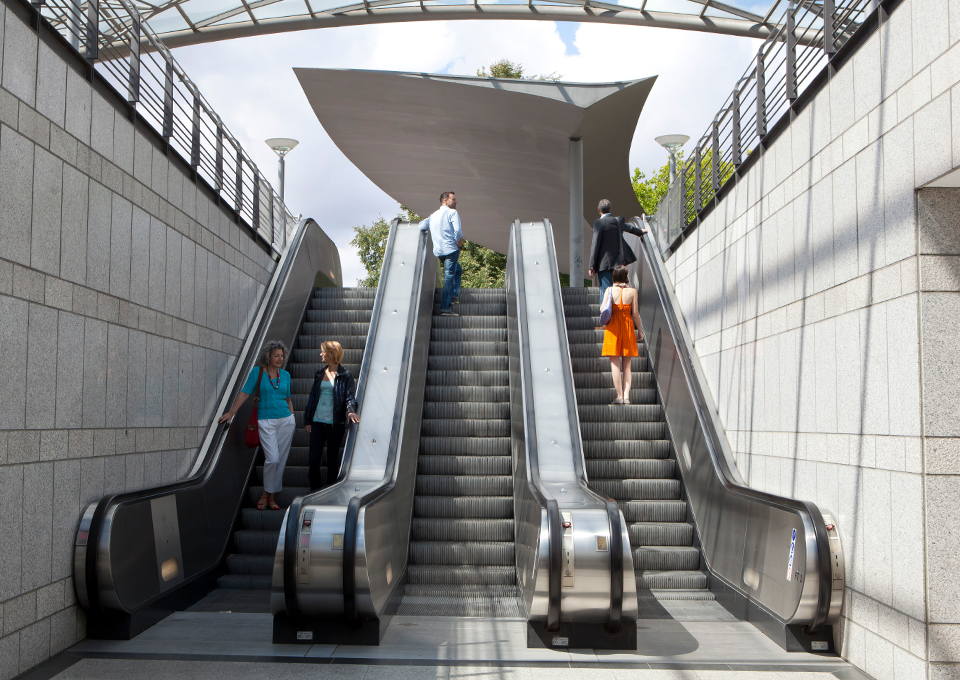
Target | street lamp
(672,144)
(282,147)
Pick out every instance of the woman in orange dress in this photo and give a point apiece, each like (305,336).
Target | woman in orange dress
(619,337)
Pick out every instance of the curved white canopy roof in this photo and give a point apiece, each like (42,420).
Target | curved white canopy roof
(501,145)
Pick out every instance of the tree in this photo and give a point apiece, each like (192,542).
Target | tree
(371,245)
(651,191)
(507,69)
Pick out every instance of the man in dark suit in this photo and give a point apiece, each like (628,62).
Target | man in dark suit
(605,252)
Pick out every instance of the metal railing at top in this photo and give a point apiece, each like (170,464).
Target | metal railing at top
(151,81)
(787,63)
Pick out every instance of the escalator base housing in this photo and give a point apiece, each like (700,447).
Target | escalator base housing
(574,635)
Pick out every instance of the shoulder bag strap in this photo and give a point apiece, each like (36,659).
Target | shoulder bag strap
(256,390)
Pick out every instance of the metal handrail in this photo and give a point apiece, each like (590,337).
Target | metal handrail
(535,485)
(121,48)
(787,67)
(576,439)
(716,442)
(207,455)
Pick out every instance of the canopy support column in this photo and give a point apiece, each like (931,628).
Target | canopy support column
(576,212)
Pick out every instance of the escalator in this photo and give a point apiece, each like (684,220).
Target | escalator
(462,557)
(628,457)
(341,314)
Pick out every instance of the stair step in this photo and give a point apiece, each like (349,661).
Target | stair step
(464,507)
(638,489)
(449,427)
(605,396)
(661,534)
(467,363)
(622,449)
(468,335)
(465,465)
(427,529)
(636,468)
(452,553)
(452,485)
(419,574)
(654,511)
(465,446)
(245,582)
(666,558)
(463,378)
(672,580)
(261,542)
(255,519)
(250,565)
(495,395)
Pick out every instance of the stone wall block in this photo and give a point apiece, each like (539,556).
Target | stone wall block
(118,364)
(174,247)
(904,366)
(120,247)
(123,133)
(51,85)
(873,352)
(13,338)
(37,525)
(932,140)
(898,192)
(896,52)
(46,212)
(70,352)
(66,503)
(11,504)
(158,173)
(158,263)
(20,59)
(140,257)
(79,106)
(941,376)
(136,379)
(94,373)
(908,582)
(98,238)
(16,180)
(41,397)
(142,158)
(73,239)
(942,506)
(102,125)
(931,31)
(171,382)
(154,381)
(822,235)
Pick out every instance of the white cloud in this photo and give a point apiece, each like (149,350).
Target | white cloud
(250,83)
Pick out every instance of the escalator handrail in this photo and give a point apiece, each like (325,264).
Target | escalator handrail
(576,440)
(717,444)
(213,442)
(535,484)
(292,520)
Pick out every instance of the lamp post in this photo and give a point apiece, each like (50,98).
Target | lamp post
(672,144)
(281,146)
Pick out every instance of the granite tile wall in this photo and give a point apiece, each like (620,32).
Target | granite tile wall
(125,294)
(825,316)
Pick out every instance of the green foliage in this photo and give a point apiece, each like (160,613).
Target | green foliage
(371,244)
(651,191)
(482,267)
(507,69)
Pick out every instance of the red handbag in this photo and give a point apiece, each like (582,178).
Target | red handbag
(252,435)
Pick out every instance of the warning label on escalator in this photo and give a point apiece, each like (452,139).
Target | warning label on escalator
(793,547)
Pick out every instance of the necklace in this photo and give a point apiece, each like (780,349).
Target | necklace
(276,385)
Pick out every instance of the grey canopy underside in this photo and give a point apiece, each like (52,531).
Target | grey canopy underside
(502,145)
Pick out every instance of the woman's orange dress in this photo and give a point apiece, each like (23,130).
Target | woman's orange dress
(620,336)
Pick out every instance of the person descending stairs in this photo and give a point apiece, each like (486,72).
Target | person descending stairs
(341,314)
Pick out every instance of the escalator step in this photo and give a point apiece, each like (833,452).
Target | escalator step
(468,349)
(418,574)
(465,446)
(307,371)
(465,465)
(462,378)
(464,428)
(292,475)
(639,489)
(469,321)
(351,357)
(593,379)
(462,601)
(256,542)
(661,533)
(654,511)
(496,308)
(599,364)
(477,295)
(452,485)
(464,507)
(649,429)
(631,469)
(245,582)
(339,316)
(593,350)
(481,553)
(468,335)
(334,293)
(468,394)
(607,395)
(340,304)
(608,416)
(284,498)
(307,341)
(621,449)
(426,529)
(255,519)
(672,580)
(467,363)
(466,410)
(337,329)
(239,564)
(666,558)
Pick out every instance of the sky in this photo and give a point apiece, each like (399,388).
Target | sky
(251,84)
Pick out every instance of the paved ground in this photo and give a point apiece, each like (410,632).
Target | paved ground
(211,646)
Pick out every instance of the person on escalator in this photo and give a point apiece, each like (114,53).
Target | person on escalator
(275,419)
(331,405)
(619,335)
(608,248)
(447,235)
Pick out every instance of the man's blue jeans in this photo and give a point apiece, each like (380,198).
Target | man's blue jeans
(606,280)
(452,272)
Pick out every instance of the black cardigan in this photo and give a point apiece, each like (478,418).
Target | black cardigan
(344,396)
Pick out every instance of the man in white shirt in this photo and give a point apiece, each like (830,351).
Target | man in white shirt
(444,226)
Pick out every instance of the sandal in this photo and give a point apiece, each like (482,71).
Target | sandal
(274,506)
(262,503)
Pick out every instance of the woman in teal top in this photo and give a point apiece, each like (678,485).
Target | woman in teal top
(275,418)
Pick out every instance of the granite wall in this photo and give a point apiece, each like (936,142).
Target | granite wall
(125,292)
(834,369)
